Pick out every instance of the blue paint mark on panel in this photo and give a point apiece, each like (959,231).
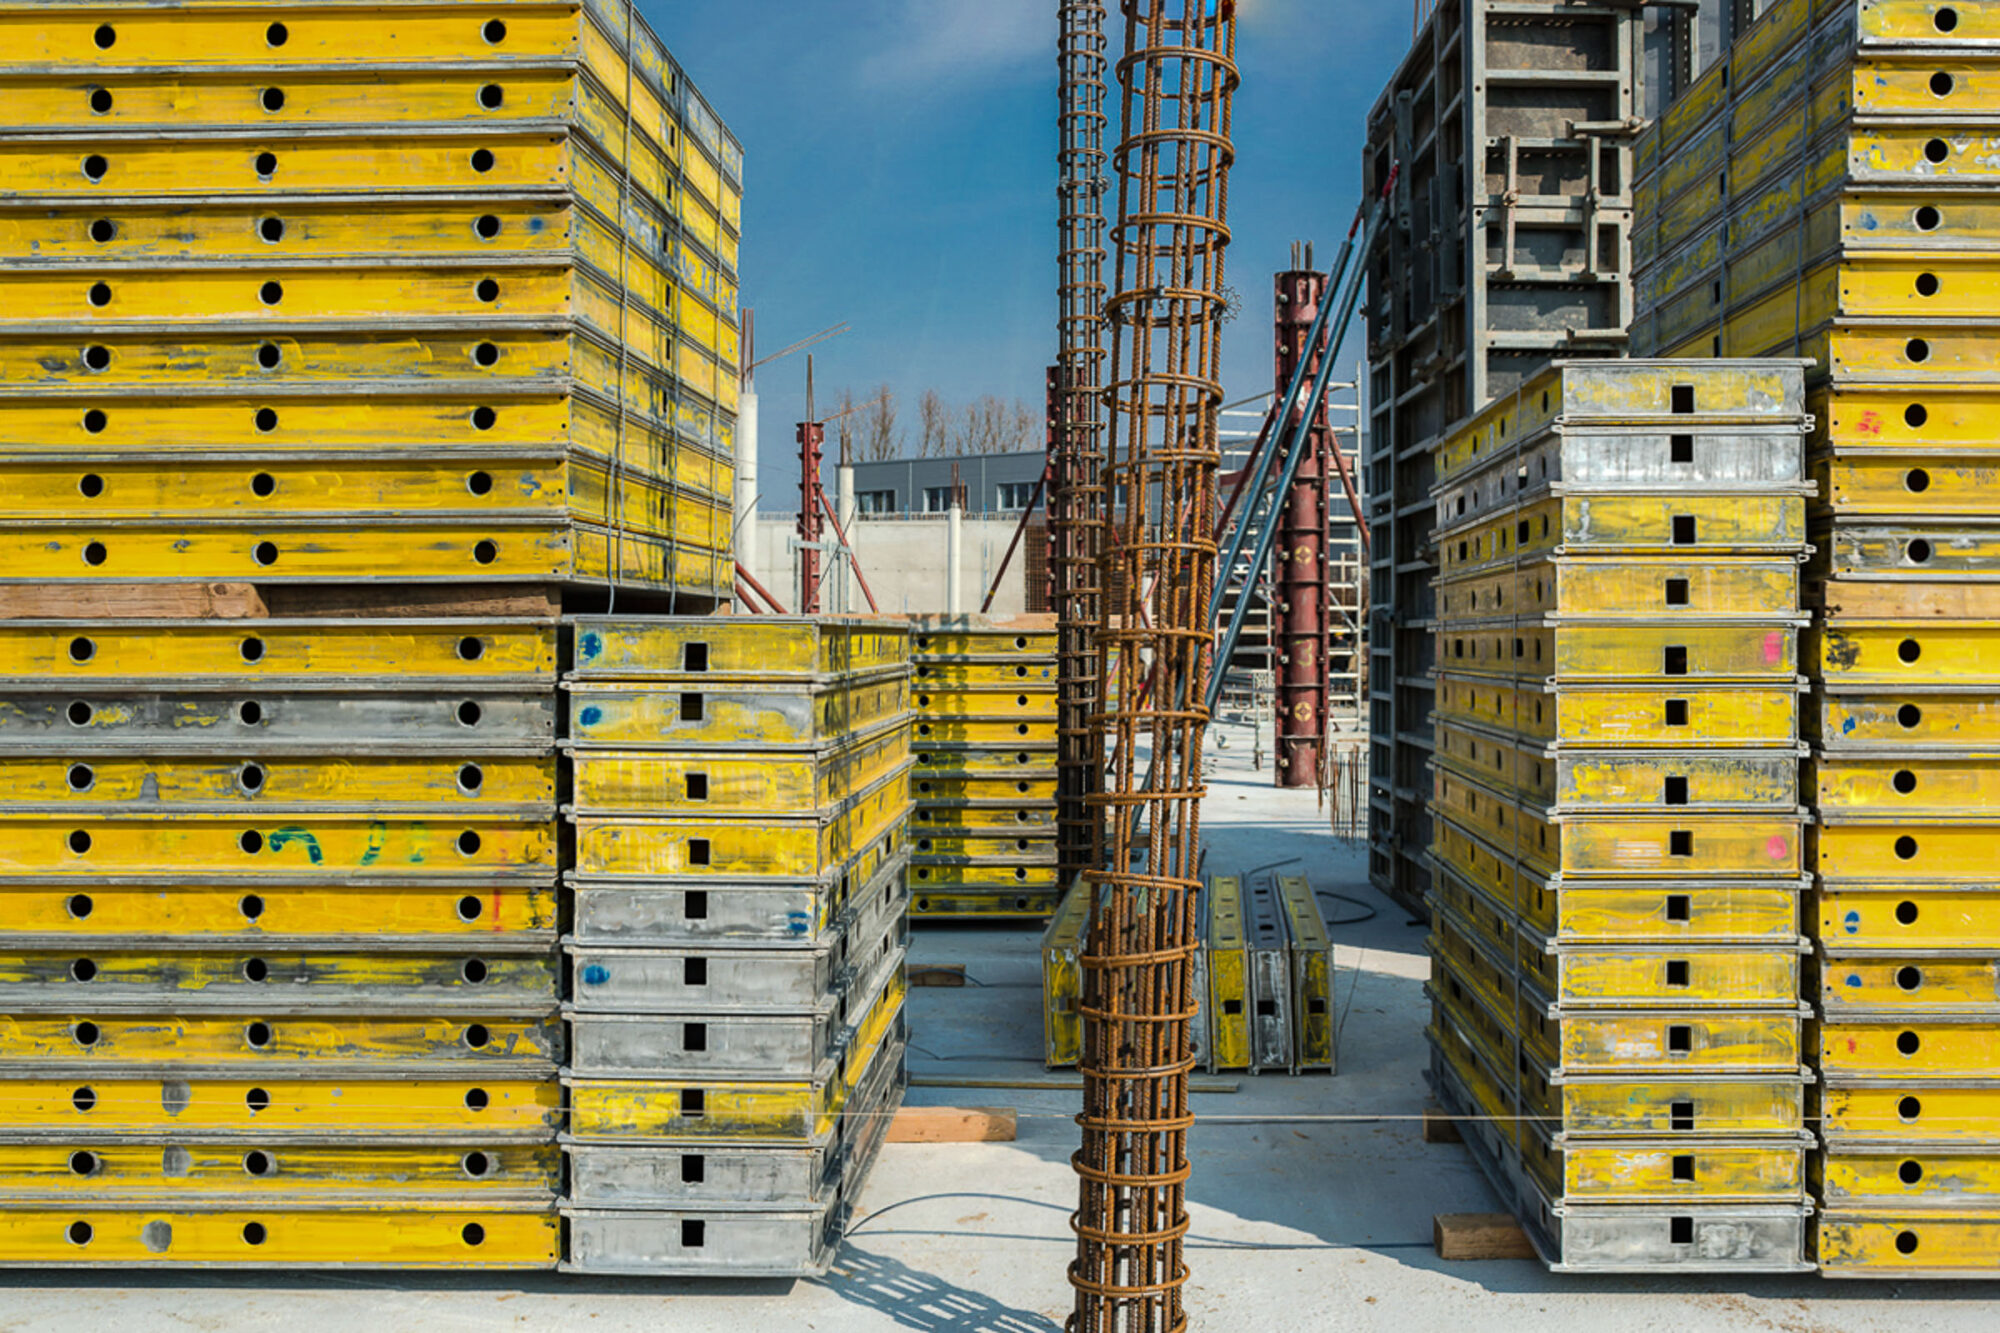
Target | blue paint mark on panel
(1853,980)
(591,716)
(590,645)
(596,974)
(284,837)
(1853,923)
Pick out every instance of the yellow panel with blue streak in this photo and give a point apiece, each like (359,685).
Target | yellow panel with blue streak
(1872,920)
(722,714)
(84,1173)
(1911,718)
(108,1042)
(446,915)
(90,844)
(1924,220)
(1915,986)
(1928,22)
(760,649)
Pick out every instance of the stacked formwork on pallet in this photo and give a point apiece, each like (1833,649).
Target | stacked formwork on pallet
(1263,978)
(1618,859)
(1829,191)
(354,331)
(740,811)
(984,694)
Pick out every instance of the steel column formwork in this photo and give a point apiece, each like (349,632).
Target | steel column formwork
(1299,571)
(1177,80)
(1076,497)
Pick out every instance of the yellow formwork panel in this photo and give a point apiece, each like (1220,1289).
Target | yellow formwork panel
(949,818)
(1942,551)
(934,730)
(111,1041)
(991,846)
(1742,779)
(949,879)
(392,1236)
(1228,975)
(1630,1043)
(1313,1033)
(361,780)
(1678,914)
(1907,1110)
(1911,985)
(943,675)
(771,847)
(1699,523)
(93,1172)
(719,785)
(1652,590)
(722,714)
(1062,979)
(996,904)
(772,1114)
(1526,771)
(1911,719)
(1927,22)
(121,976)
(1747,652)
(1656,1173)
(646,561)
(945,707)
(107,366)
(381,651)
(1912,848)
(997,790)
(89,844)
(279,552)
(487,916)
(258,1109)
(1884,1179)
(1932,1242)
(1914,1047)
(985,762)
(1881,150)
(1931,485)
(1689,978)
(1866,652)
(1892,918)
(1498,873)
(942,639)
(231,35)
(1706,1108)
(1696,716)
(762,648)
(273,490)
(1905,784)
(1914,353)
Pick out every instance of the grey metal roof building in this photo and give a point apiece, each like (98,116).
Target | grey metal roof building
(995,484)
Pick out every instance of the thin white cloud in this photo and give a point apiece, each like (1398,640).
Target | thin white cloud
(960,40)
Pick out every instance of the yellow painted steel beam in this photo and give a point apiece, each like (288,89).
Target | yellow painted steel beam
(366,781)
(1699,524)
(87,1173)
(385,650)
(107,1043)
(376,1237)
(195,915)
(1925,484)
(320,846)
(1620,653)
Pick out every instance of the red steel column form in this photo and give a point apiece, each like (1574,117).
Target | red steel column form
(812,442)
(1299,555)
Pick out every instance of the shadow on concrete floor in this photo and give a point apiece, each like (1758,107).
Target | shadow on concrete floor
(921,1300)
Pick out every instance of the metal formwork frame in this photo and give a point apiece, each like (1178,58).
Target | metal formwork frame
(1508,243)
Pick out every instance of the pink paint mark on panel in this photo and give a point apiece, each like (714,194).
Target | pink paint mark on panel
(1774,648)
(1779,847)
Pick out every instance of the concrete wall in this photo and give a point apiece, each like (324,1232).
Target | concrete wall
(904,562)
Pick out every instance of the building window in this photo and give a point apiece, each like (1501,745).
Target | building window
(937,499)
(875,502)
(1015,495)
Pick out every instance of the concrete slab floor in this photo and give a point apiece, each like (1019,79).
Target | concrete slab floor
(1311,1198)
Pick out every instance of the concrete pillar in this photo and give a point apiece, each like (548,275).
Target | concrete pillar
(843,506)
(745,515)
(954,558)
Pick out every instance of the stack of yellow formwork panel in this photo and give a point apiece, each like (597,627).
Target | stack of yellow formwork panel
(334,340)
(1830,190)
(412,290)
(740,817)
(985,781)
(1618,859)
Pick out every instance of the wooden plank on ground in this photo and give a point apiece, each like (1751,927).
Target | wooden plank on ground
(1479,1236)
(953,1124)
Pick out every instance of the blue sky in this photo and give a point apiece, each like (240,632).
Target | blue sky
(900,175)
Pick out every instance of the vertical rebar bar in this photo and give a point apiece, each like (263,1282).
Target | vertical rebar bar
(1163,392)
(1076,497)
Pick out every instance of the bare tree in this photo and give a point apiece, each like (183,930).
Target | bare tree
(1030,429)
(843,418)
(932,417)
(986,426)
(879,439)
